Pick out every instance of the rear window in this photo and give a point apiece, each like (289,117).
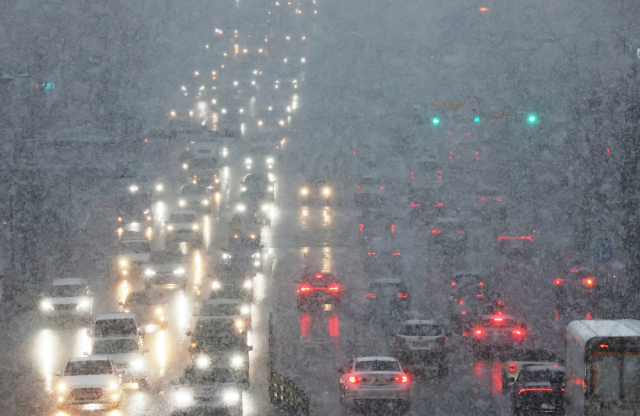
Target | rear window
(164,257)
(115,346)
(220,310)
(88,368)
(384,289)
(204,163)
(180,218)
(192,190)
(377,366)
(136,247)
(527,376)
(421,330)
(144,298)
(67,291)
(114,328)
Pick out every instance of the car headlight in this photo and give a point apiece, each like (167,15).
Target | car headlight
(149,272)
(133,189)
(236,361)
(179,271)
(270,189)
(241,208)
(205,202)
(269,160)
(266,207)
(240,325)
(46,305)
(182,203)
(243,189)
(84,304)
(226,256)
(170,227)
(248,161)
(231,397)
(137,364)
(159,311)
(62,387)
(159,187)
(326,191)
(304,191)
(245,309)
(248,284)
(256,263)
(183,398)
(112,386)
(185,166)
(256,255)
(216,285)
(119,219)
(203,361)
(123,263)
(194,227)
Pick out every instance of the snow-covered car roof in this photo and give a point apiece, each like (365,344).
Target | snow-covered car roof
(221,302)
(183,212)
(70,281)
(420,322)
(89,358)
(387,280)
(116,315)
(376,359)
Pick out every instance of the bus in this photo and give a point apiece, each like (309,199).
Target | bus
(602,367)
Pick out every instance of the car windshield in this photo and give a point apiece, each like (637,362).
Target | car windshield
(114,327)
(136,247)
(194,375)
(182,218)
(115,346)
(421,330)
(384,288)
(67,291)
(220,309)
(165,257)
(146,298)
(375,365)
(255,180)
(204,163)
(192,190)
(548,375)
(88,368)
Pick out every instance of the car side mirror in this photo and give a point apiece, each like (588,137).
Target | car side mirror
(250,348)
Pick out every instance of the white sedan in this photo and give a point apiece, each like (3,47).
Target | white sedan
(89,380)
(127,355)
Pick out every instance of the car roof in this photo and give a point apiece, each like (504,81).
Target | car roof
(130,337)
(542,368)
(183,212)
(71,281)
(376,359)
(387,280)
(89,358)
(133,240)
(116,315)
(467,273)
(420,322)
(221,301)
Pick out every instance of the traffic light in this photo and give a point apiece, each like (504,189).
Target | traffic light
(476,120)
(435,121)
(532,118)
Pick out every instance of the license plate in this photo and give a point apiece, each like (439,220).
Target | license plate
(421,344)
(547,406)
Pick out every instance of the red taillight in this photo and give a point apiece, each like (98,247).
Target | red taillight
(463,312)
(512,368)
(361,227)
(397,254)
(402,295)
(371,253)
(535,389)
(518,332)
(460,232)
(478,332)
(381,186)
(334,289)
(453,283)
(370,295)
(435,231)
(558,282)
(358,187)
(575,271)
(498,199)
(498,319)
(479,295)
(588,282)
(441,204)
(318,276)
(402,379)
(355,379)
(481,284)
(481,199)
(524,237)
(305,289)
(393,228)
(413,205)
(461,302)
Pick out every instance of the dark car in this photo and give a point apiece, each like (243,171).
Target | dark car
(419,343)
(319,289)
(257,187)
(387,295)
(539,389)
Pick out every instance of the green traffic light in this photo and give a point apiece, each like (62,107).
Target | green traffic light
(532,118)
(435,120)
(476,120)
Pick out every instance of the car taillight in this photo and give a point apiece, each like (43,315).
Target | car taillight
(319,276)
(402,295)
(397,254)
(381,186)
(370,295)
(402,379)
(305,289)
(535,389)
(414,205)
(435,231)
(441,340)
(460,232)
(334,289)
(441,204)
(481,199)
(512,368)
(498,199)
(453,283)
(588,282)
(518,332)
(355,379)
(558,282)
(461,302)
(361,227)
(481,284)
(479,295)
(478,332)
(393,228)
(400,340)
(371,253)
(463,312)
(358,187)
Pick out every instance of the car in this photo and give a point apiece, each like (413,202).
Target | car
(376,224)
(386,295)
(383,256)
(148,185)
(133,252)
(232,287)
(165,267)
(149,306)
(256,188)
(490,203)
(134,214)
(520,359)
(241,258)
(127,355)
(184,226)
(315,289)
(516,245)
(370,192)
(67,298)
(580,287)
(195,197)
(234,310)
(116,324)
(205,173)
(495,333)
(212,336)
(244,224)
(466,295)
(371,382)
(208,387)
(317,191)
(89,380)
(540,389)
(418,343)
(449,234)
(260,157)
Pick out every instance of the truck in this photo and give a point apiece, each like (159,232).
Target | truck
(602,364)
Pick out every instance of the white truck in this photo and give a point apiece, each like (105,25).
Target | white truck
(603,367)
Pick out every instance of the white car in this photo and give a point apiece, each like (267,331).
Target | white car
(227,309)
(134,252)
(195,197)
(260,157)
(165,267)
(89,380)
(67,298)
(205,386)
(184,225)
(421,342)
(371,380)
(127,355)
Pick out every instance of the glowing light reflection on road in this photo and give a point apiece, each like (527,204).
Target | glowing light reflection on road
(123,290)
(197,260)
(327,214)
(304,217)
(46,348)
(161,342)
(206,232)
(327,260)
(82,343)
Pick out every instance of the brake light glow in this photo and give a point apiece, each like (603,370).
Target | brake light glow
(558,282)
(318,276)
(481,284)
(381,186)
(463,312)
(575,271)
(440,204)
(355,379)
(305,289)
(402,295)
(588,282)
(361,227)
(460,232)
(334,289)
(535,389)
(358,187)
(371,253)
(479,295)
(435,231)
(604,346)
(402,379)
(396,254)
(498,319)
(498,199)
(512,368)
(524,237)
(393,228)
(461,302)
(453,283)
(478,332)
(481,199)
(518,332)
(414,205)
(370,295)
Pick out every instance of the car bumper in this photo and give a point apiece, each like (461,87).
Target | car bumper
(77,398)
(165,280)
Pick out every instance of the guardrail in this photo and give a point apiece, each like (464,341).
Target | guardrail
(286,394)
